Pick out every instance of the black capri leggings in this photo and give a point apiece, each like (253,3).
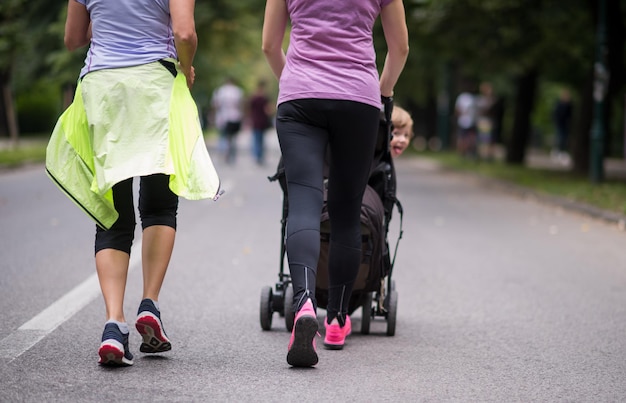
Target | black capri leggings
(158,205)
(305,128)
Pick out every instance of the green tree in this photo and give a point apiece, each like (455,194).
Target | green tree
(11,40)
(229,44)
(518,44)
(24,45)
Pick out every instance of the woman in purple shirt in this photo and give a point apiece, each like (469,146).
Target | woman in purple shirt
(329,96)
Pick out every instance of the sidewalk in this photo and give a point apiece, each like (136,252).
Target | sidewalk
(613,168)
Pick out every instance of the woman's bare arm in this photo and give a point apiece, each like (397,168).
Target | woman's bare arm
(77,26)
(397,37)
(185,37)
(274,25)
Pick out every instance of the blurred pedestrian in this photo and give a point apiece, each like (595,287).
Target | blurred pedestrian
(330,94)
(466,111)
(562,116)
(228,105)
(484,121)
(261,119)
(132,115)
(497,116)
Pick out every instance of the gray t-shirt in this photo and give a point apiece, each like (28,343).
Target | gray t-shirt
(128,33)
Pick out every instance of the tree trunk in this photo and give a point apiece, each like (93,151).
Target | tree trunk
(4,125)
(581,140)
(11,118)
(615,64)
(524,104)
(431,111)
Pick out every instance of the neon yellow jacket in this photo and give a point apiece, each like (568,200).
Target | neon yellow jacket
(74,165)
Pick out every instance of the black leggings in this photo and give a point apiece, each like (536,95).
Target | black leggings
(158,205)
(305,128)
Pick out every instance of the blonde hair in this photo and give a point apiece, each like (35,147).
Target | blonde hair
(400,118)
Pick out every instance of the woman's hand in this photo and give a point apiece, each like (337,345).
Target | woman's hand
(190,75)
(185,37)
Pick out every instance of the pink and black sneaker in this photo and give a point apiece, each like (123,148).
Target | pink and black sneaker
(302,351)
(335,334)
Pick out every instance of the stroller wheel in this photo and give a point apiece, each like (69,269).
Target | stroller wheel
(366,314)
(289,313)
(266,308)
(392,310)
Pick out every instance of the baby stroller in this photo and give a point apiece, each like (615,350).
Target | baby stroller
(374,290)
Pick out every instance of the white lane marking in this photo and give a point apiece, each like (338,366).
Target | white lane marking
(65,307)
(44,323)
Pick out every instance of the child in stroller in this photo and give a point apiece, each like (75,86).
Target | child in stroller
(402,131)
(374,290)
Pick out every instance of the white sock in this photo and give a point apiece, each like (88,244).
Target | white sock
(122,325)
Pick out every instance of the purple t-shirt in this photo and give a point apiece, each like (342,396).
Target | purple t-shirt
(128,33)
(331,52)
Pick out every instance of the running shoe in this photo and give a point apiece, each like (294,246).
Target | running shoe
(150,328)
(114,347)
(302,351)
(336,335)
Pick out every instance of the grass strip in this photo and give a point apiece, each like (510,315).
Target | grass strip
(609,195)
(32,152)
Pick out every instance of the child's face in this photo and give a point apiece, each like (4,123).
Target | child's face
(400,140)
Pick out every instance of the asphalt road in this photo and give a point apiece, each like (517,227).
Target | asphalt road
(501,299)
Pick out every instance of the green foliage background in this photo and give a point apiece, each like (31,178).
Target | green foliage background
(491,40)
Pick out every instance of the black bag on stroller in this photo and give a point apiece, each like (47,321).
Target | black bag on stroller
(374,290)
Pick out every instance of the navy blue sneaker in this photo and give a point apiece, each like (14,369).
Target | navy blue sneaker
(149,325)
(114,347)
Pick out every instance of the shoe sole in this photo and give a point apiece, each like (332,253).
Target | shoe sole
(329,345)
(151,331)
(332,346)
(111,355)
(302,353)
